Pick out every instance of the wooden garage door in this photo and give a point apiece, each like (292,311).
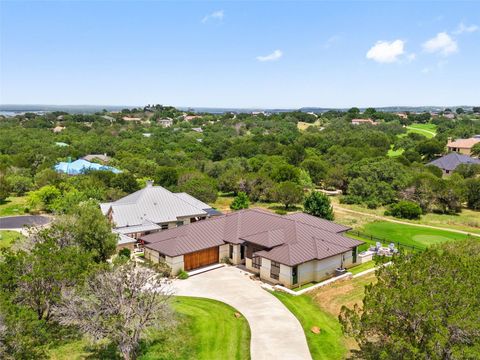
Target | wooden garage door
(200,258)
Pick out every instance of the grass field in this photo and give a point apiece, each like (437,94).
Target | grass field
(13,206)
(394,153)
(428,130)
(7,237)
(206,329)
(467,220)
(410,235)
(223,204)
(329,344)
(321,308)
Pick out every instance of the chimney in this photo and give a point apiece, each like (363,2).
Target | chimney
(149,183)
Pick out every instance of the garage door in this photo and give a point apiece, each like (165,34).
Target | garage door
(200,258)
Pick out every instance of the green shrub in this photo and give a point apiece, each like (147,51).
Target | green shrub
(318,204)
(281,212)
(125,252)
(406,210)
(226,260)
(241,201)
(182,275)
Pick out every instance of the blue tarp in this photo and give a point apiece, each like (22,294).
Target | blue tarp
(81,166)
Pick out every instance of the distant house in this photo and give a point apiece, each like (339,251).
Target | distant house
(152,209)
(147,135)
(167,122)
(109,118)
(290,250)
(81,166)
(450,116)
(402,115)
(101,157)
(190,117)
(197,129)
(58,129)
(363,121)
(462,146)
(449,162)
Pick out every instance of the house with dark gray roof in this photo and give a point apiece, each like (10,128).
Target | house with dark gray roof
(152,209)
(449,162)
(290,250)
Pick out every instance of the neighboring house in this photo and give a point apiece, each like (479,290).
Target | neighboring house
(81,166)
(462,146)
(290,250)
(449,162)
(165,122)
(450,116)
(101,157)
(152,209)
(363,121)
(190,117)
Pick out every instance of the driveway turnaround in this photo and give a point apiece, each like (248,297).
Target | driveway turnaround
(276,332)
(18,222)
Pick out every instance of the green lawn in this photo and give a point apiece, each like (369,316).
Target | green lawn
(394,153)
(427,130)
(410,235)
(13,206)
(362,267)
(7,237)
(206,329)
(330,343)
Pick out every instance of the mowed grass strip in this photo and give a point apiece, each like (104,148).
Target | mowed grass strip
(205,329)
(329,344)
(215,330)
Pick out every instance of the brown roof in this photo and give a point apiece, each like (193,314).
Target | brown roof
(290,240)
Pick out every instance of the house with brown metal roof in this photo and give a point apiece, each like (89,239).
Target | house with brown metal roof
(290,250)
(463,146)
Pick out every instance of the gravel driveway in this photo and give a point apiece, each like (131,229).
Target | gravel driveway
(276,332)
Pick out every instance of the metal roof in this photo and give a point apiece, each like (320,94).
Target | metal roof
(286,239)
(451,161)
(80,166)
(152,203)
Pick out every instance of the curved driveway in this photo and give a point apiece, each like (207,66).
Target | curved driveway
(18,222)
(276,332)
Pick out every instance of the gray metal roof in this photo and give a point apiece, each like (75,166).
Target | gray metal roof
(152,203)
(124,239)
(286,239)
(451,161)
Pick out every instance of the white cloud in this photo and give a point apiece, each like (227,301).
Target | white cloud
(277,54)
(411,57)
(332,40)
(218,15)
(462,28)
(386,52)
(442,43)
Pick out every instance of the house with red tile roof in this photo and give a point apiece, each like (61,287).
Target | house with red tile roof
(290,250)
(463,146)
(363,121)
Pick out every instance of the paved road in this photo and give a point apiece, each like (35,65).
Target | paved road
(341,209)
(18,222)
(276,332)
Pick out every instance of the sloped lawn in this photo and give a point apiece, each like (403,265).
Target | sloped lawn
(206,330)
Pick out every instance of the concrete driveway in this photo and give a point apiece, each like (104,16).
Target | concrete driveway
(276,332)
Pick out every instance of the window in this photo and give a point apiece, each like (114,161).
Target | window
(257,262)
(179,223)
(354,255)
(230,251)
(275,270)
(294,275)
(164,226)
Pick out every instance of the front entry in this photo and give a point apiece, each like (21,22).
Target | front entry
(200,258)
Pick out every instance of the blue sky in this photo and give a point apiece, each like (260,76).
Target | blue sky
(240,54)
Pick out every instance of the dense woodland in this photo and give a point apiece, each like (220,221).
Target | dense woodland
(54,284)
(265,156)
